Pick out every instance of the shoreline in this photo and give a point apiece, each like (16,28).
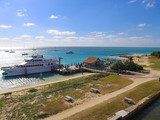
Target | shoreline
(62,79)
(44,83)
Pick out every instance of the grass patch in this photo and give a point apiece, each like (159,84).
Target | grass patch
(108,108)
(155,63)
(55,106)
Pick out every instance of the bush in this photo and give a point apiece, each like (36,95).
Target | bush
(132,66)
(156,54)
(127,65)
(118,66)
(32,90)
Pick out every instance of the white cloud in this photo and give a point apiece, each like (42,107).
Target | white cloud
(53,17)
(110,36)
(4,38)
(135,37)
(57,32)
(139,28)
(143,1)
(39,37)
(57,37)
(141,25)
(132,1)
(26,36)
(22,12)
(5,26)
(121,33)
(29,24)
(150,4)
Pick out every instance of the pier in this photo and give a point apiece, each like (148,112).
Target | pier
(68,69)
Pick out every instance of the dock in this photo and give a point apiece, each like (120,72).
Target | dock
(68,69)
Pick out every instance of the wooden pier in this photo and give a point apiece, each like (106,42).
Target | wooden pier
(68,69)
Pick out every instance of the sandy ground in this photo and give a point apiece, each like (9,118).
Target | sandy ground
(45,83)
(137,80)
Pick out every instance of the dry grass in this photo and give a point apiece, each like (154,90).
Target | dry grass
(104,110)
(155,63)
(49,100)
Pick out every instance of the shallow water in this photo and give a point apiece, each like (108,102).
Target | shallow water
(152,112)
(81,53)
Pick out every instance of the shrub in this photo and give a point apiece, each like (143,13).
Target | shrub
(127,65)
(156,54)
(118,66)
(32,90)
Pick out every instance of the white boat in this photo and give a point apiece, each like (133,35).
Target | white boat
(34,49)
(70,52)
(12,51)
(35,64)
(6,50)
(24,53)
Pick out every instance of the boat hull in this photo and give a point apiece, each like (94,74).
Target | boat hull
(26,71)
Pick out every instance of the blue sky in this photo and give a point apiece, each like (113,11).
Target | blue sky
(128,23)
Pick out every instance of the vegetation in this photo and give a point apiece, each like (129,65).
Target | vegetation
(32,90)
(156,54)
(106,109)
(155,63)
(49,99)
(127,65)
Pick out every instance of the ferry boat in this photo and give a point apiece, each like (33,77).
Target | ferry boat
(35,64)
(70,52)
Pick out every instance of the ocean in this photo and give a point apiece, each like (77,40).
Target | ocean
(80,54)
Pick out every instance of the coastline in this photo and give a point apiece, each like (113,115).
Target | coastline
(96,100)
(44,83)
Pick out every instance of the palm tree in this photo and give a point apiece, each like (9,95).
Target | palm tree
(130,59)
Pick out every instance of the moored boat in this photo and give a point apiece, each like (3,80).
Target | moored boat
(12,51)
(70,52)
(24,53)
(35,64)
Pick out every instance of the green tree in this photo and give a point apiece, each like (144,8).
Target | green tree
(156,54)
(118,66)
(130,59)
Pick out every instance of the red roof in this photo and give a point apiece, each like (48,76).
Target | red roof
(91,60)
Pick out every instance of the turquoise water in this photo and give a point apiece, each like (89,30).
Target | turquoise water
(81,53)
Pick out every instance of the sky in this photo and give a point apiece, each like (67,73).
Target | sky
(117,23)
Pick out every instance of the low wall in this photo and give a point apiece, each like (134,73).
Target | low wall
(141,106)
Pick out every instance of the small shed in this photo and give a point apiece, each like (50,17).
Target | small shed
(92,62)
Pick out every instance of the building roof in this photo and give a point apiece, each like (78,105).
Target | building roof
(91,60)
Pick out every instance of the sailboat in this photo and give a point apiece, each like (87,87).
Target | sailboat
(11,51)
(24,53)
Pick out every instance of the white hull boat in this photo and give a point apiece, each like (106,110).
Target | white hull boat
(35,64)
